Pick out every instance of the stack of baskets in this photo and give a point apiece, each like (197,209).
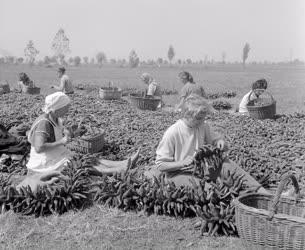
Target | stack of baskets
(264,222)
(4,88)
(88,145)
(110,93)
(145,102)
(265,110)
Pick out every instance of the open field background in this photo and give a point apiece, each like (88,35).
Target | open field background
(102,228)
(286,83)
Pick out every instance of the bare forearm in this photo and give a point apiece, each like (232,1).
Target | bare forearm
(169,166)
(47,145)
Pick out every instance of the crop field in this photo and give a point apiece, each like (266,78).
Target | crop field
(286,83)
(266,149)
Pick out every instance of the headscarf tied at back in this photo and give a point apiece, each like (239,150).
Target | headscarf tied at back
(147,77)
(55,101)
(187,76)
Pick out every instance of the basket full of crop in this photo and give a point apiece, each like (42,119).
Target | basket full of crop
(4,88)
(145,102)
(86,140)
(110,93)
(277,222)
(263,107)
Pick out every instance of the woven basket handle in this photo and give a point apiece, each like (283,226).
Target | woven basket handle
(279,191)
(265,91)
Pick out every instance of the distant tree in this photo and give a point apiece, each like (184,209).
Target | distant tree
(92,61)
(60,45)
(179,61)
(77,60)
(206,59)
(189,61)
(9,59)
(171,53)
(159,60)
(71,60)
(101,58)
(20,60)
(46,60)
(112,61)
(53,59)
(30,52)
(133,59)
(223,55)
(85,59)
(246,50)
(2,60)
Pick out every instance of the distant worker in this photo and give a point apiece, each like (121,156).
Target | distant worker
(258,88)
(65,82)
(154,89)
(189,88)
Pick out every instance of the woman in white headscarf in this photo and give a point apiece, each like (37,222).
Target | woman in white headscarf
(154,89)
(48,138)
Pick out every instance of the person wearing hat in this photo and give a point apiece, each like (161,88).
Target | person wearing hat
(48,155)
(65,83)
(175,152)
(153,87)
(258,88)
(189,88)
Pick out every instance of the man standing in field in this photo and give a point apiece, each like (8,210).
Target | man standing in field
(65,82)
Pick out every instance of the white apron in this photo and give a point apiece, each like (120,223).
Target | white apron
(51,159)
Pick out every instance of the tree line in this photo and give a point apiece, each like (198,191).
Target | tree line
(61,49)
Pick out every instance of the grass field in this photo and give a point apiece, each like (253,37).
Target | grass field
(102,228)
(286,83)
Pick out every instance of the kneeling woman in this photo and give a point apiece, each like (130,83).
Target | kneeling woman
(48,138)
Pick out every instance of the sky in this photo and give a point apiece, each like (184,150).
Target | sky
(275,29)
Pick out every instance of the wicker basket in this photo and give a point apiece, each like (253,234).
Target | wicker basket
(266,111)
(109,93)
(91,145)
(30,90)
(144,102)
(4,88)
(264,222)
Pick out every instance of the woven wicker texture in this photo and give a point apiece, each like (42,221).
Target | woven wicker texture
(265,111)
(267,222)
(110,93)
(144,103)
(90,145)
(30,90)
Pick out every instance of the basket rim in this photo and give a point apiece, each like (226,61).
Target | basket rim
(113,89)
(268,105)
(135,96)
(238,203)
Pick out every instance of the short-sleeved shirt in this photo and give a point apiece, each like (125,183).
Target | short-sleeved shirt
(245,101)
(191,88)
(154,89)
(180,141)
(66,83)
(43,128)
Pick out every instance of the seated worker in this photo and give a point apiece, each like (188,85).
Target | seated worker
(48,155)
(24,80)
(189,88)
(176,149)
(153,87)
(65,85)
(258,88)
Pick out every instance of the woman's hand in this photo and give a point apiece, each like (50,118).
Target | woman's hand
(187,161)
(220,144)
(40,180)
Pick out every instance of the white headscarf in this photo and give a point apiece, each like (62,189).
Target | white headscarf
(55,101)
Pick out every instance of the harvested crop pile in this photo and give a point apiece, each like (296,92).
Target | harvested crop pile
(226,94)
(221,105)
(265,148)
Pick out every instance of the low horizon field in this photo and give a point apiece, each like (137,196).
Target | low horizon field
(286,83)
